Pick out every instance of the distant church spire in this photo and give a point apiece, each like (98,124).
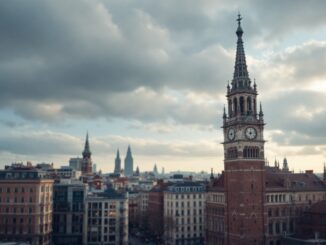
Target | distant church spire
(285,165)
(117,163)
(86,165)
(324,172)
(129,163)
(87,152)
(155,169)
(241,78)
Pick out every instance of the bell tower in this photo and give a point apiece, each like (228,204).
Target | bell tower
(244,165)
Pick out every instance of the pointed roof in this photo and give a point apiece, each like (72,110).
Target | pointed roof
(241,78)
(118,154)
(285,164)
(212,174)
(129,155)
(87,151)
(261,114)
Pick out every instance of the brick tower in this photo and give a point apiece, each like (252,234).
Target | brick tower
(244,165)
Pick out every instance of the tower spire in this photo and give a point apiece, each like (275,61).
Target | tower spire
(241,78)
(118,154)
(87,151)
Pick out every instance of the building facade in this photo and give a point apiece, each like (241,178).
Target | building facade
(155,209)
(184,213)
(25,205)
(106,219)
(68,212)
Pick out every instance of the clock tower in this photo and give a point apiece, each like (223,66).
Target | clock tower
(244,165)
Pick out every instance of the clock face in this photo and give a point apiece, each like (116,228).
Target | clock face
(231,134)
(251,133)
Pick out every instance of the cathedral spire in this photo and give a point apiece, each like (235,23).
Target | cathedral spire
(87,151)
(129,163)
(241,78)
(117,163)
(118,154)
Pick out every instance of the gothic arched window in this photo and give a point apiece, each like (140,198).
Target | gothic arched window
(251,152)
(232,153)
(235,105)
(230,108)
(249,104)
(241,105)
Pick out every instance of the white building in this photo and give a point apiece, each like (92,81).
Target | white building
(184,213)
(67,172)
(106,219)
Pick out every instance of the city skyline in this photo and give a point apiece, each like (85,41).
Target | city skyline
(156,80)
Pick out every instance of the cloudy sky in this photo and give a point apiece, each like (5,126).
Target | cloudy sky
(152,74)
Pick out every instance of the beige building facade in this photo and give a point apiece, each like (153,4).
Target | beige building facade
(184,213)
(25,205)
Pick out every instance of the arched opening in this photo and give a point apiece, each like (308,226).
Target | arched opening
(235,106)
(232,153)
(251,152)
(230,108)
(249,109)
(241,105)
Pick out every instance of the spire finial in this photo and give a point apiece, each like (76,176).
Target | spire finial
(239,18)
(224,112)
(241,78)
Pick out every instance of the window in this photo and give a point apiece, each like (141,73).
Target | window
(232,153)
(277,228)
(251,152)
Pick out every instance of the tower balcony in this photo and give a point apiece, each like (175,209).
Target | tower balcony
(250,119)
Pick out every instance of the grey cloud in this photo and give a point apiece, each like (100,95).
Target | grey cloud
(35,143)
(299,114)
(84,60)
